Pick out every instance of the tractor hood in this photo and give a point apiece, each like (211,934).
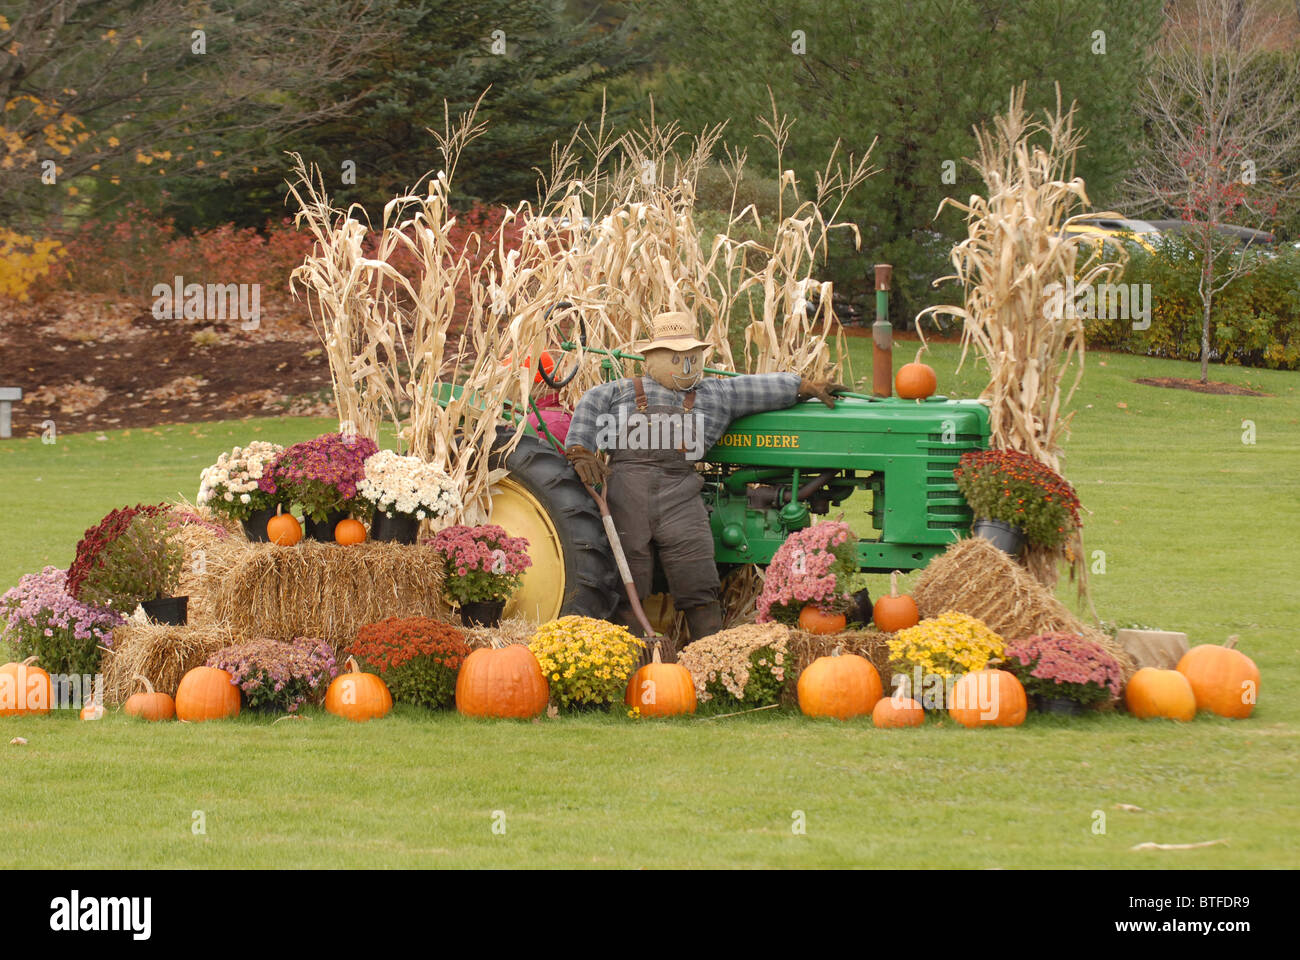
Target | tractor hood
(854,435)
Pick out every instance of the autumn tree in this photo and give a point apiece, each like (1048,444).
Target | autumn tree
(1222,133)
(124,91)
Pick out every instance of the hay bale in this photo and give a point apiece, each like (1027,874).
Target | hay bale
(806,647)
(200,533)
(976,578)
(163,654)
(511,630)
(322,589)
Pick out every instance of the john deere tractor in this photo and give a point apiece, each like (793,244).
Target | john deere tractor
(886,463)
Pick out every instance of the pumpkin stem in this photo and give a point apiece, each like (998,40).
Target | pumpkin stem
(148,687)
(893,585)
(29,661)
(1231,642)
(351,666)
(920,352)
(655,654)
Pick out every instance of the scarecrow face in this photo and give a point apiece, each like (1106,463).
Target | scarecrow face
(675,369)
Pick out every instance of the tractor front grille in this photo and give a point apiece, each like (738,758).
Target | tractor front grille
(946,508)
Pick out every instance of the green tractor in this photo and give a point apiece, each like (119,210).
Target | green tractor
(890,460)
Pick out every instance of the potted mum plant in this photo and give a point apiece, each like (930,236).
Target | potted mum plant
(239,485)
(809,582)
(403,491)
(131,557)
(485,566)
(40,618)
(418,658)
(586,661)
(1016,499)
(321,476)
(1064,672)
(278,677)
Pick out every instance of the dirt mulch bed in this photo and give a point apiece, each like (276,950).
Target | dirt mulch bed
(1196,386)
(138,371)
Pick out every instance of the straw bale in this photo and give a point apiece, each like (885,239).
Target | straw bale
(322,589)
(199,532)
(162,653)
(976,578)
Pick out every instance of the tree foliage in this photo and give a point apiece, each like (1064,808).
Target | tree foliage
(919,74)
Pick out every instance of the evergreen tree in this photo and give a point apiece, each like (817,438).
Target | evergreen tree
(918,74)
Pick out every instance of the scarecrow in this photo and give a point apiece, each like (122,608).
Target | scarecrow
(655,427)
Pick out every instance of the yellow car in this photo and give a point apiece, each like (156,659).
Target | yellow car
(1108,228)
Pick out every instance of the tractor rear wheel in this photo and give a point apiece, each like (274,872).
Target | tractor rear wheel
(542,499)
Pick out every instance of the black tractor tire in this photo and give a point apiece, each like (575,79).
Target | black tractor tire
(592,584)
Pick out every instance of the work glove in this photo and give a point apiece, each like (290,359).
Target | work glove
(590,468)
(823,390)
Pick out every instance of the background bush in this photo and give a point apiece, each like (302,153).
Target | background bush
(1255,320)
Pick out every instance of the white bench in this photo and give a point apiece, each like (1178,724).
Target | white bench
(8,397)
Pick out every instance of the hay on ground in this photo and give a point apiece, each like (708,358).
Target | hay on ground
(976,578)
(510,630)
(322,589)
(806,647)
(164,654)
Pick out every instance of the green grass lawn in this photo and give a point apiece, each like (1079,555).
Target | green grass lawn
(1199,533)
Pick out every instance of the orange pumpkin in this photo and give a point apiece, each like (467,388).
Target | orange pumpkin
(896,611)
(661,689)
(915,380)
(149,704)
(24,688)
(349,531)
(813,620)
(503,680)
(988,698)
(358,696)
(207,693)
(1152,692)
(1224,679)
(897,712)
(283,529)
(842,685)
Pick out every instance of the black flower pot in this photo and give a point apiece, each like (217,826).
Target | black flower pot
(323,530)
(1008,539)
(401,528)
(484,613)
(255,525)
(173,611)
(1063,706)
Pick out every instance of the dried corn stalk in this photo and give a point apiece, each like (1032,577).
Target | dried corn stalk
(1013,263)
(389,337)
(612,236)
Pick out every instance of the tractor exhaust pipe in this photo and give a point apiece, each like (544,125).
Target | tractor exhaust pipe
(882,336)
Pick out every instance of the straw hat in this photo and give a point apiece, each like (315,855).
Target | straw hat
(672,331)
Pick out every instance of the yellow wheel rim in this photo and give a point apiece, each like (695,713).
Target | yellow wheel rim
(520,514)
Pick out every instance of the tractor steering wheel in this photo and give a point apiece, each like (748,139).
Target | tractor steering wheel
(550,381)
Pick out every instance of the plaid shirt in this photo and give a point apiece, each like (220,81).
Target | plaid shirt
(718,401)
